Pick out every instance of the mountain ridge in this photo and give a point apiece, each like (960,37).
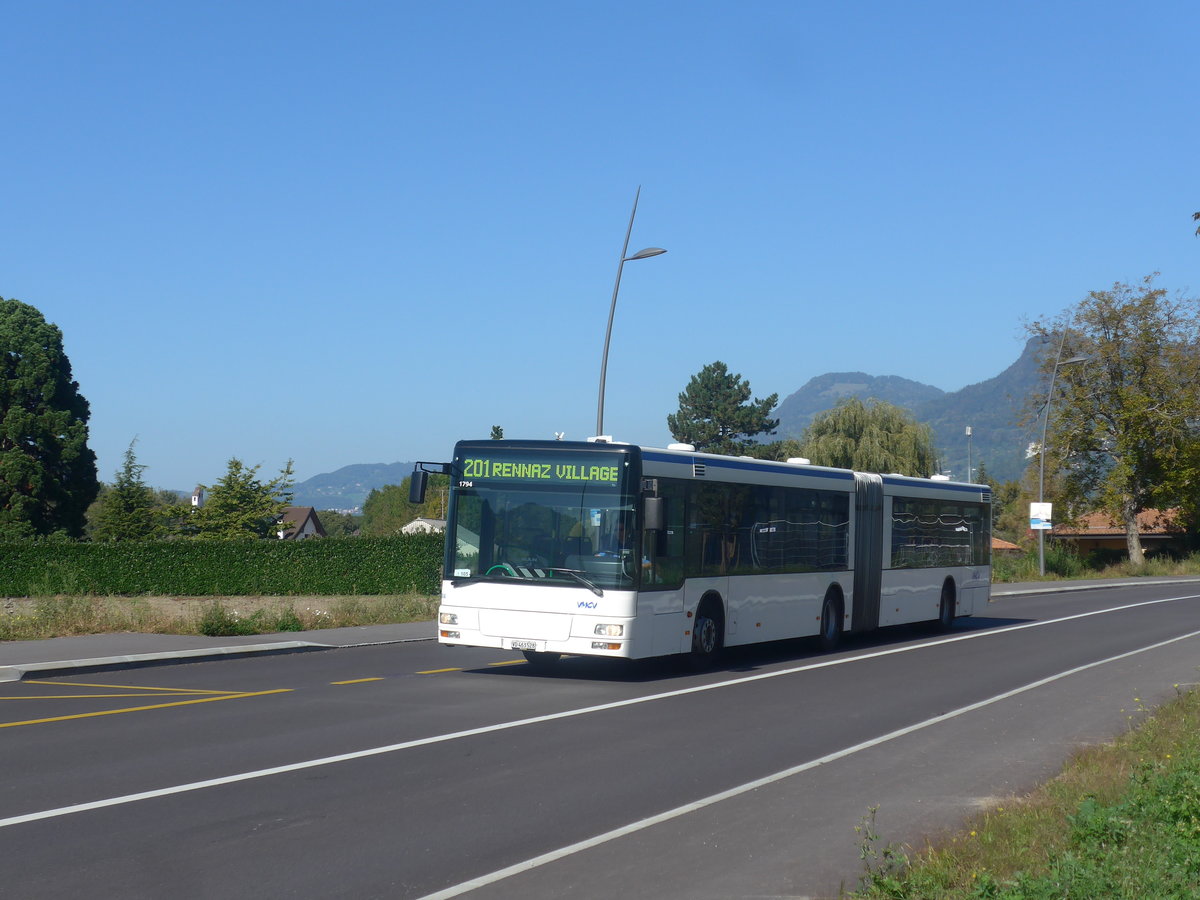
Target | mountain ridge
(347,488)
(991,407)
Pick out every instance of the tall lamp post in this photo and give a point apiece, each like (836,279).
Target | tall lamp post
(612,309)
(1058,361)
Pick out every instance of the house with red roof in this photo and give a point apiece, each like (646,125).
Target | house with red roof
(1159,529)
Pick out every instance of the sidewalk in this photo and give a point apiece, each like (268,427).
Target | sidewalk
(98,652)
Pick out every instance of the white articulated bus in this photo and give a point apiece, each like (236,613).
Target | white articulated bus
(609,549)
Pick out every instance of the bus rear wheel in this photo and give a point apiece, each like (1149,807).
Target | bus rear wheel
(831,622)
(945,619)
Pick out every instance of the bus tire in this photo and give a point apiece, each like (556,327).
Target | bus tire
(831,621)
(541,660)
(946,610)
(708,633)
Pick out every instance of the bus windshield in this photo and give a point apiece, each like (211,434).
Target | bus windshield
(550,517)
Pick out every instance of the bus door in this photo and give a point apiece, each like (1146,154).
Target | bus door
(712,545)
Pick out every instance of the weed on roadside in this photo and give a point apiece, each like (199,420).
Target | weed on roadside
(64,616)
(53,616)
(881,865)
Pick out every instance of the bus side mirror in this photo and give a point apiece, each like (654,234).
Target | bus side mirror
(654,513)
(416,487)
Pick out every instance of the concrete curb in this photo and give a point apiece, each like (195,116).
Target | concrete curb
(1058,587)
(135,660)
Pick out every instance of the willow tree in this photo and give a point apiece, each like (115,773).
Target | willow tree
(47,472)
(716,414)
(1124,425)
(868,437)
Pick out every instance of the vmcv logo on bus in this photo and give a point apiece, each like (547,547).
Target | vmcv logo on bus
(587,604)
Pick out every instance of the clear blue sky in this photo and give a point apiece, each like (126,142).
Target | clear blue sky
(356,232)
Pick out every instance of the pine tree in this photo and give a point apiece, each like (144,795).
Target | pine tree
(715,412)
(126,511)
(47,471)
(240,506)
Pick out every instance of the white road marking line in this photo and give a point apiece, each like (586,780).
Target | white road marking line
(631,828)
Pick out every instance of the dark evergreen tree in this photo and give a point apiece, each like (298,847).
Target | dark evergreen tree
(716,414)
(125,512)
(47,471)
(240,505)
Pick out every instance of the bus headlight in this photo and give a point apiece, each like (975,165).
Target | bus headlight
(610,630)
(448,618)
(604,645)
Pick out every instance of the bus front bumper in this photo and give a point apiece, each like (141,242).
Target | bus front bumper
(536,632)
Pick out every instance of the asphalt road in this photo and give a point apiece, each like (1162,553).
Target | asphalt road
(415,770)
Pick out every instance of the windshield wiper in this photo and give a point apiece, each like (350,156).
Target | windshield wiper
(578,576)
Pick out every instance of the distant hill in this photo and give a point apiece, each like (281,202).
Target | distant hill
(990,407)
(824,392)
(348,487)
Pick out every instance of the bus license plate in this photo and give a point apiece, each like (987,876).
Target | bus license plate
(524,645)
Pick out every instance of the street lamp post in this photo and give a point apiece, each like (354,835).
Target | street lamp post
(612,309)
(1058,361)
(969,455)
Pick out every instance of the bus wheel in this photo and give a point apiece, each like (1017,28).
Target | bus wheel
(831,621)
(708,634)
(945,619)
(541,661)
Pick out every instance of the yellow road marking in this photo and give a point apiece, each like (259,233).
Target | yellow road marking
(128,687)
(508,662)
(438,671)
(114,712)
(356,681)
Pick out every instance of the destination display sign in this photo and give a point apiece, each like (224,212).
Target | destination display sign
(575,469)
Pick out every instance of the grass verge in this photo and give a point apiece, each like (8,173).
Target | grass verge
(1064,563)
(1121,821)
(47,617)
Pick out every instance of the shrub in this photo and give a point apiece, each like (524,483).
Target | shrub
(217,621)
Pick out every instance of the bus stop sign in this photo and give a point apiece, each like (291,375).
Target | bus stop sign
(1039,516)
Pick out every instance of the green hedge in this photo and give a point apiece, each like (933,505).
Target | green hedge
(324,567)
